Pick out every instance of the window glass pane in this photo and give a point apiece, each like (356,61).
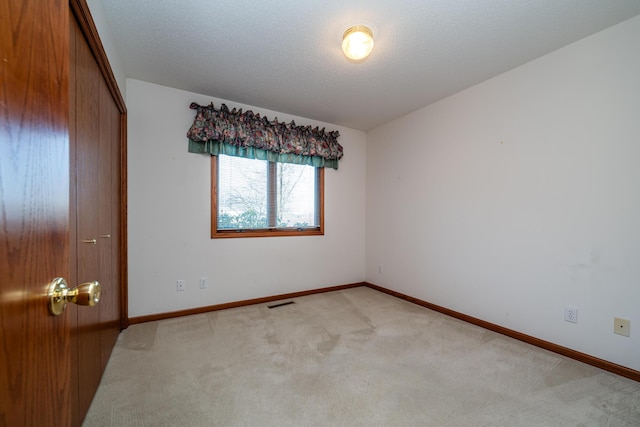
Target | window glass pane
(296,195)
(242,193)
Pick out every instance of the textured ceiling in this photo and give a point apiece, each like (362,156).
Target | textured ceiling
(285,55)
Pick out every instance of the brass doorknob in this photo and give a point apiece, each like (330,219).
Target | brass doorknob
(60,294)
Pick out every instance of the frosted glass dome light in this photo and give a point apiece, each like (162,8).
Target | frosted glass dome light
(357,42)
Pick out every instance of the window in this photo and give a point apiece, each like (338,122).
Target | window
(258,198)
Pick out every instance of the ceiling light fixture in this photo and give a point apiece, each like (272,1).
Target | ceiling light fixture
(357,42)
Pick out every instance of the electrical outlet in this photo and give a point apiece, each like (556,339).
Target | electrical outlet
(181,286)
(380,269)
(621,326)
(203,283)
(571,314)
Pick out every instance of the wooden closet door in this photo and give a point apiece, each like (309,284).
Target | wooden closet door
(87,167)
(97,147)
(108,221)
(72,309)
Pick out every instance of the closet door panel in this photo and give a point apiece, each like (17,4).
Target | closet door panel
(87,86)
(74,33)
(107,218)
(96,206)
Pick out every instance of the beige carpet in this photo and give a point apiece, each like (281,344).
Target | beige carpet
(349,358)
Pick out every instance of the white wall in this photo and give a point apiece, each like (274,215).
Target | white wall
(169,216)
(519,196)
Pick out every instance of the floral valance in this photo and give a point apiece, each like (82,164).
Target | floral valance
(235,133)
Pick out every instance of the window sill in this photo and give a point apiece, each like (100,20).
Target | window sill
(270,232)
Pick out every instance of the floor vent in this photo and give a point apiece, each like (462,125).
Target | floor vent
(281,304)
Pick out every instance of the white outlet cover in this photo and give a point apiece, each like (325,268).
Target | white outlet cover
(571,314)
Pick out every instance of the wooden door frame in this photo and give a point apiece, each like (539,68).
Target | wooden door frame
(82,14)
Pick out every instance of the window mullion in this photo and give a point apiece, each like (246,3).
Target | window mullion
(272,186)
